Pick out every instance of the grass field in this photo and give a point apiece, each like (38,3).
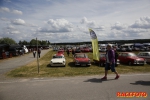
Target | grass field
(31,70)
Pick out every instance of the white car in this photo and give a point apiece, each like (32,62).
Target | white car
(58,60)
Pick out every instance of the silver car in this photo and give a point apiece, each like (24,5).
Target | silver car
(145,55)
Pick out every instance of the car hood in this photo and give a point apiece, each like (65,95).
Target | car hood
(137,58)
(57,60)
(82,59)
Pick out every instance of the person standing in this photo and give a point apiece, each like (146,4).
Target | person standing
(39,52)
(110,62)
(34,53)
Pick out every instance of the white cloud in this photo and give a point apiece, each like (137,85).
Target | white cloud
(143,23)
(118,26)
(18,22)
(4,9)
(10,27)
(4,19)
(87,22)
(58,25)
(17,12)
(92,24)
(14,32)
(134,30)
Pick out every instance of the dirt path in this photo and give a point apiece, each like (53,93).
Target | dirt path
(12,63)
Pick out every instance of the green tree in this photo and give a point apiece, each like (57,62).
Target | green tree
(43,42)
(7,40)
(23,42)
(34,42)
(48,43)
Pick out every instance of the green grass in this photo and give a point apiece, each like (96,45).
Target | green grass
(31,70)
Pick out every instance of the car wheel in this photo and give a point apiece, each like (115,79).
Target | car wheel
(129,63)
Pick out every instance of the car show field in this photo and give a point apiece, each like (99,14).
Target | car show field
(30,70)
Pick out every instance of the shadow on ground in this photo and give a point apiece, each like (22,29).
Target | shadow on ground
(146,83)
(48,65)
(98,80)
(71,64)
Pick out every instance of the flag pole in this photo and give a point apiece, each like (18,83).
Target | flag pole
(37,55)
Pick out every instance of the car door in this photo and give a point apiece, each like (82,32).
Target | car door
(121,57)
(125,58)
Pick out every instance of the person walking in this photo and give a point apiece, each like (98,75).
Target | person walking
(73,52)
(39,52)
(116,54)
(110,62)
(34,53)
(68,52)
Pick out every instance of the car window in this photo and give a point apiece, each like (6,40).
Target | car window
(131,54)
(140,54)
(57,57)
(124,54)
(102,55)
(145,54)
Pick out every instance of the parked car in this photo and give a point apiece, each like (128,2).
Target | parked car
(60,52)
(77,50)
(130,59)
(81,59)
(145,55)
(14,51)
(85,49)
(102,49)
(55,49)
(58,60)
(126,48)
(25,49)
(102,60)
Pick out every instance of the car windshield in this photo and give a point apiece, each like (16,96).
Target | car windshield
(57,56)
(132,55)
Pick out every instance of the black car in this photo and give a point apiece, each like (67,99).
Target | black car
(14,51)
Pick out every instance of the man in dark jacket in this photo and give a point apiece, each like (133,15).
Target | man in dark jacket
(110,62)
(39,52)
(116,54)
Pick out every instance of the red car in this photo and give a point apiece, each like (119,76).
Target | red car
(102,60)
(81,59)
(85,49)
(60,52)
(130,59)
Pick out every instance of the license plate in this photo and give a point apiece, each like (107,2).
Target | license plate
(83,64)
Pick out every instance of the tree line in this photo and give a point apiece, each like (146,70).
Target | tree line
(10,41)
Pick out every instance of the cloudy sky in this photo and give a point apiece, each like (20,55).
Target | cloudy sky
(70,20)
